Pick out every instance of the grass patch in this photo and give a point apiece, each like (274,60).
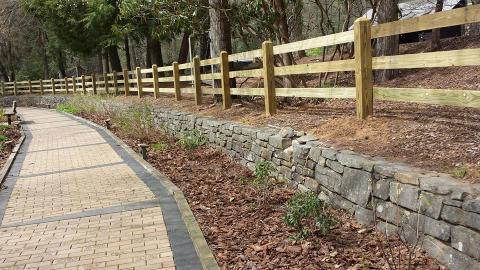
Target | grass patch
(160,146)
(192,139)
(4,127)
(3,138)
(67,108)
(314,52)
(459,172)
(303,209)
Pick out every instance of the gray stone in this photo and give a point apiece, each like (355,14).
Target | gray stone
(334,165)
(390,212)
(338,201)
(387,229)
(302,188)
(408,177)
(364,216)
(388,169)
(306,138)
(444,184)
(427,225)
(472,205)
(315,154)
(328,178)
(286,132)
(350,159)
(329,153)
(381,189)
(279,142)
(430,204)
(300,151)
(312,184)
(466,241)
(449,256)
(404,195)
(458,216)
(453,202)
(356,186)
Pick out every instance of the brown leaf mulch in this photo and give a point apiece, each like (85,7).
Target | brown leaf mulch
(244,235)
(12,134)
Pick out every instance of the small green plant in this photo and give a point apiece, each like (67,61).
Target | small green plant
(303,209)
(4,127)
(459,172)
(136,121)
(160,146)
(192,139)
(262,182)
(67,108)
(3,138)
(314,52)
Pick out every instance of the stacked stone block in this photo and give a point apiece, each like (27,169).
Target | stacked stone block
(439,212)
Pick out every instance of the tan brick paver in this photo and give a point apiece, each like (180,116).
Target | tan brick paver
(69,168)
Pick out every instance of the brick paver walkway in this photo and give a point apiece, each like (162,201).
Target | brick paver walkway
(77,200)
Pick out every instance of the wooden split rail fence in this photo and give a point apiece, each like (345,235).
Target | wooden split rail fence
(152,80)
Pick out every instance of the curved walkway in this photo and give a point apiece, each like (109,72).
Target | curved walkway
(75,199)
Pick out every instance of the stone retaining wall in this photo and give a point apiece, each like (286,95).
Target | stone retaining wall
(406,199)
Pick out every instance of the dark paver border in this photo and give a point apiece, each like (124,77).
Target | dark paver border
(178,216)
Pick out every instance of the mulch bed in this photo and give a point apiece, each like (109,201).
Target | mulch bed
(243,235)
(12,134)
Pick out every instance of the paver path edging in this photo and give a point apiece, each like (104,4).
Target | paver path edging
(77,199)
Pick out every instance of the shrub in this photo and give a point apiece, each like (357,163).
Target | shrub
(262,181)
(3,138)
(136,121)
(192,139)
(67,108)
(158,146)
(4,127)
(302,209)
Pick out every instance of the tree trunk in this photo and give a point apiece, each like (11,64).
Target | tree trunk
(4,72)
(297,29)
(282,25)
(127,54)
(473,29)
(436,45)
(183,54)
(105,65)
(46,68)
(148,58)
(114,58)
(156,52)
(387,11)
(220,35)
(61,63)
(99,66)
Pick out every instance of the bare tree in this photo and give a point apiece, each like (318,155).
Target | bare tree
(386,11)
(436,45)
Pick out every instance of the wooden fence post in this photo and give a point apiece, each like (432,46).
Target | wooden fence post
(30,87)
(53,86)
(66,84)
(363,68)
(41,87)
(176,81)
(197,80)
(94,84)
(126,85)
(139,82)
(115,83)
(269,78)
(105,82)
(84,85)
(225,71)
(74,84)
(3,88)
(14,88)
(155,81)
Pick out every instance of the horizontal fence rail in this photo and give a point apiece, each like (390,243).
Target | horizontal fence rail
(212,76)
